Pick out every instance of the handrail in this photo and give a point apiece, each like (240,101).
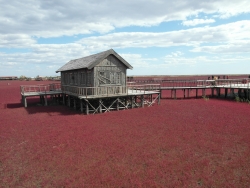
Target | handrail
(195,83)
(40,88)
(108,90)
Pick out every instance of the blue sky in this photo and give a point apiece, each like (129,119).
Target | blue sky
(156,37)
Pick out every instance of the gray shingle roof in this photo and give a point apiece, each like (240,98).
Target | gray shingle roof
(91,61)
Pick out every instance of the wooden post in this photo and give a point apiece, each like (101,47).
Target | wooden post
(245,93)
(226,91)
(212,91)
(132,102)
(171,93)
(100,105)
(69,100)
(117,104)
(81,105)
(203,92)
(87,108)
(184,92)
(142,101)
(218,92)
(45,98)
(25,102)
(74,103)
(63,98)
(175,94)
(159,100)
(232,92)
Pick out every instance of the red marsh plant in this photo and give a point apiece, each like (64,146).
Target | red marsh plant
(180,143)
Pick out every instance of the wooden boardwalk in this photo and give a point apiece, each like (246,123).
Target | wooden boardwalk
(95,99)
(104,99)
(43,91)
(229,85)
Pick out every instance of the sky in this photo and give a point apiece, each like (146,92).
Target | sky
(157,37)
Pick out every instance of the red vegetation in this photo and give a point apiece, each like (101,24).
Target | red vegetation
(180,143)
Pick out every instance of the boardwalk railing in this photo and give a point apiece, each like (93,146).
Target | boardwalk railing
(108,90)
(42,88)
(233,83)
(230,83)
(144,88)
(94,91)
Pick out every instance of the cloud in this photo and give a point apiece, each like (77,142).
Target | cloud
(44,18)
(137,60)
(195,22)
(232,33)
(16,41)
(231,48)
(205,60)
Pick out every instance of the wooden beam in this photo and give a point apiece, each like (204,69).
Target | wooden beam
(74,103)
(142,101)
(69,100)
(25,102)
(45,98)
(81,104)
(63,98)
(117,104)
(100,105)
(87,107)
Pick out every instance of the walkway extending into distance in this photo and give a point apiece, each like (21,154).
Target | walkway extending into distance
(141,87)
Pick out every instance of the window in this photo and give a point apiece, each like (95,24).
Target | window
(62,78)
(88,78)
(118,78)
(83,78)
(71,78)
(66,78)
(112,77)
(76,78)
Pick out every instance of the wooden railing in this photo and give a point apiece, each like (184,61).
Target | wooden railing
(108,90)
(40,88)
(194,83)
(94,91)
(233,83)
(143,88)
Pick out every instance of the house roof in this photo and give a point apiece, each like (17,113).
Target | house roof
(91,61)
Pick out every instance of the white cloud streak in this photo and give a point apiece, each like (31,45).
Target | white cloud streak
(234,36)
(195,22)
(43,18)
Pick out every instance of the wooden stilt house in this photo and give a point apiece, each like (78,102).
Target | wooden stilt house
(98,74)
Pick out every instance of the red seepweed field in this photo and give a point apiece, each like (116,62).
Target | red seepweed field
(180,143)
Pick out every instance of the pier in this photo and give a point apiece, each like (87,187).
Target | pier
(135,94)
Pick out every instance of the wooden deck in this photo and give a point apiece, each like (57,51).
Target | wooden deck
(187,85)
(43,91)
(128,96)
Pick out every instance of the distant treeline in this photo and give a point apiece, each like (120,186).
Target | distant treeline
(8,77)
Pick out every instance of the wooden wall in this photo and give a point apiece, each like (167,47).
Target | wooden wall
(107,73)
(110,72)
(80,78)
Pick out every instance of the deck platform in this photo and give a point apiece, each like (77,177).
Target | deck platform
(43,91)
(95,100)
(104,99)
(107,102)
